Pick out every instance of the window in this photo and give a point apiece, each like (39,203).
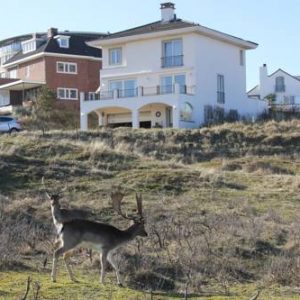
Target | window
(12,73)
(168,82)
(220,89)
(172,53)
(115,56)
(186,113)
(69,68)
(5,58)
(125,88)
(242,57)
(63,42)
(279,84)
(67,94)
(29,46)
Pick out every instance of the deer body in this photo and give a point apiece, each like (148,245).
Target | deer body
(103,238)
(61,215)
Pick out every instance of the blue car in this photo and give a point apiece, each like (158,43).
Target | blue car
(9,125)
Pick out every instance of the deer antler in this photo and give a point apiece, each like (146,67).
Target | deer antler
(139,204)
(117,198)
(48,194)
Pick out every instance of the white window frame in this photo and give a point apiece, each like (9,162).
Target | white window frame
(12,73)
(175,59)
(66,67)
(112,61)
(61,41)
(29,46)
(67,93)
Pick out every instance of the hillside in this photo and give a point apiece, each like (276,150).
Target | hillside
(221,203)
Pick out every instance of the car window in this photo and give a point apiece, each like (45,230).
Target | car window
(5,119)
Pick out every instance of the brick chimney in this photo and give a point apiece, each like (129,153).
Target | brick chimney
(167,12)
(52,32)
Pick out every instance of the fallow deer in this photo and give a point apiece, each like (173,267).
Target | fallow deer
(103,238)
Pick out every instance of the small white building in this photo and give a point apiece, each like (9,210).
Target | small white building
(283,87)
(170,73)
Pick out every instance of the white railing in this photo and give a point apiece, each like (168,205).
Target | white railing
(140,92)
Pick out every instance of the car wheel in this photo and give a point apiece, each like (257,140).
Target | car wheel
(13,130)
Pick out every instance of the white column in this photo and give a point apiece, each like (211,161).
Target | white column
(176,116)
(83,121)
(135,118)
(101,119)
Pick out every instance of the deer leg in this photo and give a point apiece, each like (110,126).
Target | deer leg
(103,260)
(66,257)
(114,265)
(56,255)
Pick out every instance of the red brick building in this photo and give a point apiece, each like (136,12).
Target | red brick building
(62,61)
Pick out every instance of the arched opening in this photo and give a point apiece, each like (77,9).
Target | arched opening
(114,117)
(186,113)
(156,115)
(279,84)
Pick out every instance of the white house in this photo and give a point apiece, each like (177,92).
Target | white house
(283,85)
(170,73)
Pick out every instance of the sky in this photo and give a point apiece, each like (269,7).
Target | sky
(273,24)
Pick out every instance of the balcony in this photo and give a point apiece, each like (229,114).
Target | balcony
(172,61)
(140,92)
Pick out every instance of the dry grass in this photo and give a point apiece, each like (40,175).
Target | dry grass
(222,203)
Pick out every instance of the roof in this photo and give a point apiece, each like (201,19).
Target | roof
(160,26)
(77,46)
(19,85)
(19,38)
(257,87)
(152,27)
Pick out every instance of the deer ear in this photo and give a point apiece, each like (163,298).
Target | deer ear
(48,195)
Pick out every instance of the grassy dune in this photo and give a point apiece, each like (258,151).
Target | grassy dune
(222,208)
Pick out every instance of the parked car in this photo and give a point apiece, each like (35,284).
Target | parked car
(9,124)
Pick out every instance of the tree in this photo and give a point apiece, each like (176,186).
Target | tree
(43,108)
(271,98)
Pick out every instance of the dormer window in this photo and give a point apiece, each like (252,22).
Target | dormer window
(28,46)
(63,41)
(32,44)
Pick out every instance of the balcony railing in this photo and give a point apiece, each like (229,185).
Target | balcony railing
(285,107)
(172,61)
(127,93)
(140,92)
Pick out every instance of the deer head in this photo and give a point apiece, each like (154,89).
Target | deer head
(53,197)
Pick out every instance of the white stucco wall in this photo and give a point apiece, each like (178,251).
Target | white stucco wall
(204,58)
(268,82)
